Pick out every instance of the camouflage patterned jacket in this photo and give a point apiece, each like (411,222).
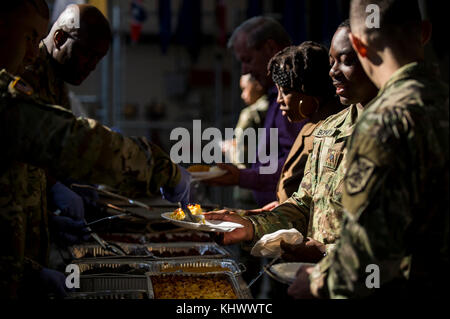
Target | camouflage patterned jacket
(41,76)
(395,196)
(51,138)
(315,209)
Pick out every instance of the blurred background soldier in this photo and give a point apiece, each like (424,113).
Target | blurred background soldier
(252,116)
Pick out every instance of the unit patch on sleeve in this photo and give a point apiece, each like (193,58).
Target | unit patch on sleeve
(358,175)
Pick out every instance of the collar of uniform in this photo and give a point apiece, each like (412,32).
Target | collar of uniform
(351,118)
(404,72)
(345,121)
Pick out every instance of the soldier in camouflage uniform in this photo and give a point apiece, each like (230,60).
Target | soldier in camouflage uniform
(395,195)
(51,138)
(316,209)
(42,77)
(77,41)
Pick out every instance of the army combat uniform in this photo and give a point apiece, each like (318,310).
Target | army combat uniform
(396,225)
(315,209)
(46,84)
(50,137)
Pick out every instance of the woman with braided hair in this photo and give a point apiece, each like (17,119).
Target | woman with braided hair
(305,93)
(305,89)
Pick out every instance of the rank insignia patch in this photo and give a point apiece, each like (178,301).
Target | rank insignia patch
(21,86)
(358,175)
(332,159)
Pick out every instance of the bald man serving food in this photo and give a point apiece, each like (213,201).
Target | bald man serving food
(76,43)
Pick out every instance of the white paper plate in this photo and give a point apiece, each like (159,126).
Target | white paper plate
(199,176)
(286,272)
(210,225)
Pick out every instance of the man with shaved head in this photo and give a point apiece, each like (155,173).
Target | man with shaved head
(394,241)
(39,136)
(76,43)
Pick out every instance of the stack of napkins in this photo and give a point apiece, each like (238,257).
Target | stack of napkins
(269,244)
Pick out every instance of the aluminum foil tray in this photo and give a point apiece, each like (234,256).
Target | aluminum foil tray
(140,294)
(89,251)
(197,286)
(99,283)
(115,267)
(182,236)
(191,250)
(156,251)
(203,265)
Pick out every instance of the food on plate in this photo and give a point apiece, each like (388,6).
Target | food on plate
(192,287)
(178,214)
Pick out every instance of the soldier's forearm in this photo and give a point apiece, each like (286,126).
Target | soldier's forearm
(85,150)
(285,216)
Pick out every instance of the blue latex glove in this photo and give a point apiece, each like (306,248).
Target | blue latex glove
(70,203)
(53,281)
(67,231)
(181,192)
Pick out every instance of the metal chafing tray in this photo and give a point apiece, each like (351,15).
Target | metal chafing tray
(156,251)
(128,279)
(237,284)
(151,238)
(180,250)
(96,283)
(116,267)
(200,266)
(120,294)
(139,266)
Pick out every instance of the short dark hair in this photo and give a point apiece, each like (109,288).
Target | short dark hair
(398,18)
(260,29)
(40,6)
(303,68)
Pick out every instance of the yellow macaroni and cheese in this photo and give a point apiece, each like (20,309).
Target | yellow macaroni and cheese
(195,209)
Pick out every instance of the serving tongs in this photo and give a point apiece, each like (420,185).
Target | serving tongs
(113,248)
(188,215)
(101,190)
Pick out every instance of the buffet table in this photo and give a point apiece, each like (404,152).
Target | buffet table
(143,256)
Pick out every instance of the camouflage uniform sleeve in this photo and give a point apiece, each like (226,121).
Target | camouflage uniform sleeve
(12,237)
(293,213)
(375,199)
(51,137)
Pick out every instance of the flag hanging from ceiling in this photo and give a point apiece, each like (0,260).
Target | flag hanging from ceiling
(138,17)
